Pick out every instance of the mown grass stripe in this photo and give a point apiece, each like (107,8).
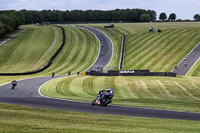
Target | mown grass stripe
(184,91)
(136,46)
(142,46)
(23,52)
(88,86)
(174,50)
(63,87)
(125,93)
(144,50)
(153,51)
(78,87)
(79,53)
(165,89)
(163,51)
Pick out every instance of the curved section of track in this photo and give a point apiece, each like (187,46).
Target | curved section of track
(190,60)
(106,49)
(26,93)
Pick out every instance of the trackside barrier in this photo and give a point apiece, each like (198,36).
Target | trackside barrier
(131,73)
(44,67)
(122,53)
(83,73)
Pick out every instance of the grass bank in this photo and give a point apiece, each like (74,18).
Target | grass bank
(181,93)
(30,50)
(154,51)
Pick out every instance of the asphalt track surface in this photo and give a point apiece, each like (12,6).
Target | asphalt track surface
(190,60)
(106,49)
(26,94)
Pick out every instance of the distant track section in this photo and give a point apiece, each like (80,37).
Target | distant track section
(122,53)
(44,67)
(105,52)
(186,64)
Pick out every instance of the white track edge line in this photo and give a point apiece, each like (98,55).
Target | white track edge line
(186,56)
(192,66)
(98,51)
(110,41)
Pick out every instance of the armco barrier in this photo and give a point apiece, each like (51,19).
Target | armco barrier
(44,67)
(122,53)
(135,73)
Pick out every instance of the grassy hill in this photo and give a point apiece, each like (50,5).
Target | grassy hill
(154,51)
(30,50)
(181,93)
(144,50)
(33,48)
(78,54)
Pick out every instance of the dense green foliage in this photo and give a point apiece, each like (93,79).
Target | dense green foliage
(163,16)
(172,17)
(181,93)
(131,15)
(10,20)
(25,119)
(197,17)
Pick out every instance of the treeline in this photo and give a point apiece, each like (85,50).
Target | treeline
(131,15)
(11,20)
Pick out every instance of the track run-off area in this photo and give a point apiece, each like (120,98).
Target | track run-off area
(26,93)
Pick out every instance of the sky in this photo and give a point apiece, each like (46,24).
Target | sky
(184,9)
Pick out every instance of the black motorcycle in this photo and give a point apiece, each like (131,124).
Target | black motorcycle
(104,97)
(14,83)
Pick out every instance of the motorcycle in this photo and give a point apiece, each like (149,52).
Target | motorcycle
(14,83)
(104,97)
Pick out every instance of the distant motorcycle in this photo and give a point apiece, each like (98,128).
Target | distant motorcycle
(14,83)
(104,97)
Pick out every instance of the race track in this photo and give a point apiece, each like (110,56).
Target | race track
(106,49)
(190,60)
(26,93)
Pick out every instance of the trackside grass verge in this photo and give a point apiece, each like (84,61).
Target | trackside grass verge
(25,119)
(181,93)
(195,71)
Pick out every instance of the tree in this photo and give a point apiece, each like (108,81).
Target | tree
(163,16)
(152,14)
(172,17)
(197,17)
(145,18)
(2,30)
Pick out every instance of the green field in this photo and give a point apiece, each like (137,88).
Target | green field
(195,71)
(25,119)
(181,93)
(143,50)
(158,52)
(79,53)
(33,48)
(30,50)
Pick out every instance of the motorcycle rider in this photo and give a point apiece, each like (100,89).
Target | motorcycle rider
(14,83)
(103,94)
